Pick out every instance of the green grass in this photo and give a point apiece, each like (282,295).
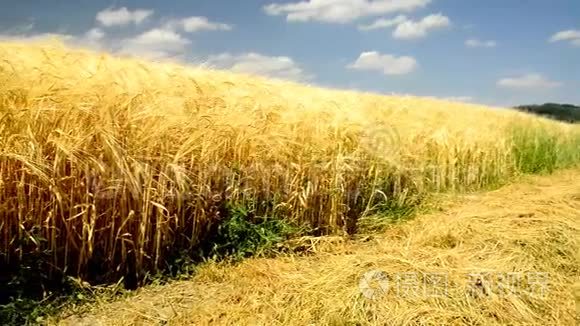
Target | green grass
(383,220)
(242,234)
(539,150)
(24,309)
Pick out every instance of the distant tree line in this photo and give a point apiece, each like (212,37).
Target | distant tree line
(562,112)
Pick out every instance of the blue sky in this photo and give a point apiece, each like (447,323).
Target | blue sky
(498,52)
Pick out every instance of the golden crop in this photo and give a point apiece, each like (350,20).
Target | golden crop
(112,164)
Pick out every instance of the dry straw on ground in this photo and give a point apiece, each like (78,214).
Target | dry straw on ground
(111,165)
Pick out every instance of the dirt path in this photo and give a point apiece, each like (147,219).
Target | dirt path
(510,256)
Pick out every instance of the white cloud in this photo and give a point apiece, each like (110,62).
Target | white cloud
(197,23)
(571,35)
(529,81)
(166,41)
(408,29)
(340,11)
(475,43)
(386,63)
(95,34)
(383,23)
(156,43)
(22,28)
(566,35)
(37,37)
(418,29)
(94,38)
(280,67)
(122,16)
(465,99)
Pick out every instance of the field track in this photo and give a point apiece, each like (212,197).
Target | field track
(527,228)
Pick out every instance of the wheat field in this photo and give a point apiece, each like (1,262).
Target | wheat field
(109,166)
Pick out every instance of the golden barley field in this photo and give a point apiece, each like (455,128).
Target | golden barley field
(109,166)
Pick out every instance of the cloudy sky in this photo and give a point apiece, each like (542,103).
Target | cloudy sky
(498,52)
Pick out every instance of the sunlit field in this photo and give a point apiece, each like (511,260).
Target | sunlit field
(113,167)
